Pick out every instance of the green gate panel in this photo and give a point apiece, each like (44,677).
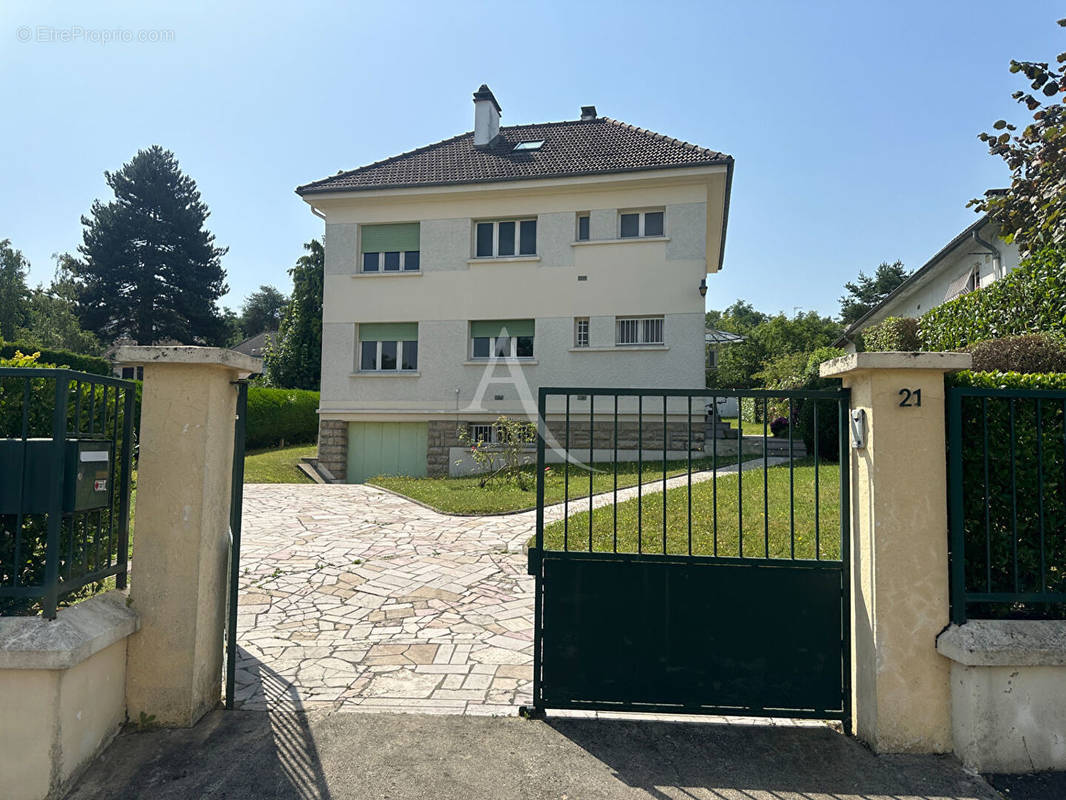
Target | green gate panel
(386,448)
(692,635)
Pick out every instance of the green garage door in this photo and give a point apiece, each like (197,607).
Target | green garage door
(386,448)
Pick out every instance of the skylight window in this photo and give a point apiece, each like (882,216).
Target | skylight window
(529,145)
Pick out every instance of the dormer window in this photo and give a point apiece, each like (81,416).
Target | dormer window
(535,145)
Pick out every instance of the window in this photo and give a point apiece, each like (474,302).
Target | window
(634,224)
(582,227)
(133,373)
(501,338)
(639,330)
(390,248)
(529,145)
(388,347)
(581,332)
(483,433)
(506,238)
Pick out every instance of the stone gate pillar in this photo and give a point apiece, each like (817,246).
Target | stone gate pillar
(181,528)
(901,698)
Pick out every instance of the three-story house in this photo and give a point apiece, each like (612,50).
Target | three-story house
(461,276)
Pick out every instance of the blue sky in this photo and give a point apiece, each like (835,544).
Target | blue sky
(853,125)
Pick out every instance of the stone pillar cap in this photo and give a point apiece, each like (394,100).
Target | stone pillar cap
(181,354)
(860,362)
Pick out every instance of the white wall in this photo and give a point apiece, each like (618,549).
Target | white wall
(620,277)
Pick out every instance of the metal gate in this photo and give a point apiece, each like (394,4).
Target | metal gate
(680,572)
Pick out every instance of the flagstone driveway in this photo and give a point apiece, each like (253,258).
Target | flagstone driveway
(354,599)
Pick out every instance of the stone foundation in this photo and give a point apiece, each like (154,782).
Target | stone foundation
(333,447)
(443,435)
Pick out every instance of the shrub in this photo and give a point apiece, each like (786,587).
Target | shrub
(1034,352)
(989,531)
(505,457)
(281,415)
(59,358)
(1028,300)
(828,432)
(779,426)
(893,333)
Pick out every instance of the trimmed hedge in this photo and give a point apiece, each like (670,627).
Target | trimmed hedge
(892,334)
(61,358)
(1034,352)
(990,550)
(277,415)
(1030,299)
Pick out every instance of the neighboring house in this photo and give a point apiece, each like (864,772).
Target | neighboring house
(257,345)
(972,260)
(557,254)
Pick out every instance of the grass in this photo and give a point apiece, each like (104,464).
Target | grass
(277,465)
(750,428)
(464,496)
(764,534)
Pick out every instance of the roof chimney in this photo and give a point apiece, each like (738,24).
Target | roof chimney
(486,117)
(588,112)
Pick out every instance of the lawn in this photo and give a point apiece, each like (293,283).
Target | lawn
(277,465)
(464,496)
(763,533)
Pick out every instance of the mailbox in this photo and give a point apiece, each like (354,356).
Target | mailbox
(28,471)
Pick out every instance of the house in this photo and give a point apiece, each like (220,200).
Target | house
(972,260)
(463,275)
(257,345)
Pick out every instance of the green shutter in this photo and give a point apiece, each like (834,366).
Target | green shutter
(388,332)
(389,238)
(515,327)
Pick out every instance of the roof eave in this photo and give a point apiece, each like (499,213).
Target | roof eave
(316,188)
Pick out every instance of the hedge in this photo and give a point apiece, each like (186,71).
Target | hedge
(281,415)
(61,358)
(989,419)
(892,334)
(1034,352)
(1029,299)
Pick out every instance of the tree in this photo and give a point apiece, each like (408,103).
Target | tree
(149,268)
(294,357)
(14,295)
(1033,209)
(52,319)
(869,291)
(262,311)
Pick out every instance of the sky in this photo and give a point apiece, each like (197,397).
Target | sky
(853,125)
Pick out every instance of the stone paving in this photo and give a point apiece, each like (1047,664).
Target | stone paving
(355,599)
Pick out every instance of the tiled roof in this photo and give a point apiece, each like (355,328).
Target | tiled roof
(579,147)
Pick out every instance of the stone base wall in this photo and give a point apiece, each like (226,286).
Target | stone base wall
(333,447)
(444,435)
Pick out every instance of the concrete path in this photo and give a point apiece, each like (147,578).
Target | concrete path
(279,755)
(355,599)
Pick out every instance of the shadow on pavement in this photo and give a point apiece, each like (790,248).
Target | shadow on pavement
(710,760)
(170,763)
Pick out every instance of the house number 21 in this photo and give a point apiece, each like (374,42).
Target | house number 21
(911,398)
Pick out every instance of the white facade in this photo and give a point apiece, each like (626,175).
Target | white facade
(602,279)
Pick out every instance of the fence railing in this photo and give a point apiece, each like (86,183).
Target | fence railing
(752,496)
(1007,502)
(66,450)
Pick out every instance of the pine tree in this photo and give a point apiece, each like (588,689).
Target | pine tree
(149,268)
(294,359)
(870,291)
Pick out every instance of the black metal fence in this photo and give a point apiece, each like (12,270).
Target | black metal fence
(1007,503)
(66,451)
